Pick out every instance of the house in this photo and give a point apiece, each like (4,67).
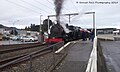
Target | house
(105,30)
(24,33)
(2,30)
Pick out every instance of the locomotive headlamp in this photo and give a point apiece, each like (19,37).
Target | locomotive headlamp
(55,22)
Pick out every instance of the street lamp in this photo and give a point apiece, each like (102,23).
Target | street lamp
(94,25)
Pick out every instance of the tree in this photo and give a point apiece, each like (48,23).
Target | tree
(34,27)
(14,32)
(26,28)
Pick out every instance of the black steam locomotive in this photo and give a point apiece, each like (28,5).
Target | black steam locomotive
(58,33)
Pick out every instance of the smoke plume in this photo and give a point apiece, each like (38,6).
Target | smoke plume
(64,27)
(58,7)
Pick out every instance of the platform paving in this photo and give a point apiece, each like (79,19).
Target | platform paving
(77,58)
(111,52)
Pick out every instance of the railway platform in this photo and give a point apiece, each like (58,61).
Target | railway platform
(77,58)
(111,52)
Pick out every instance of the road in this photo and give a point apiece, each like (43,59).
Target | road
(111,51)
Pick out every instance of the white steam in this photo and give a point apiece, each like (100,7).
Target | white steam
(64,27)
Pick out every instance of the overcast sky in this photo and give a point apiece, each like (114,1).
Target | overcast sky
(29,11)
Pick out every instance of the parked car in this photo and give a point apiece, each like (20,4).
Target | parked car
(11,36)
(5,37)
(35,38)
(15,38)
(27,39)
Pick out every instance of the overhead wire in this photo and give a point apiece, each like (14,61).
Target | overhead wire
(49,2)
(74,5)
(43,5)
(67,9)
(22,6)
(33,6)
(82,21)
(71,22)
(53,5)
(63,18)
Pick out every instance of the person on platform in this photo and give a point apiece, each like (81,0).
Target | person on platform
(92,35)
(83,35)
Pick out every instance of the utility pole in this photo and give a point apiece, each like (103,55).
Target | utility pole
(40,24)
(40,30)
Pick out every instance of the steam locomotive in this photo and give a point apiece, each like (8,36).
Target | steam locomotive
(58,33)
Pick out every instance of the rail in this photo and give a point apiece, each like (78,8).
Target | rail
(49,61)
(19,48)
(92,62)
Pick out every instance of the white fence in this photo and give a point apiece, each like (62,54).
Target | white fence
(92,63)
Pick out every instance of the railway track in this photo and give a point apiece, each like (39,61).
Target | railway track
(2,47)
(16,52)
(20,48)
(22,58)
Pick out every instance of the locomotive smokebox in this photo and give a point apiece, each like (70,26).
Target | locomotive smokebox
(56,30)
